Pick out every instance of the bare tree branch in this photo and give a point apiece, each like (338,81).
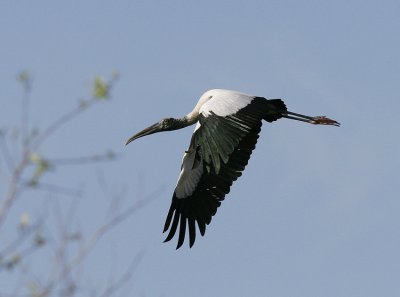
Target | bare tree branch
(102,230)
(6,152)
(57,235)
(126,277)
(57,124)
(23,235)
(108,156)
(25,79)
(13,189)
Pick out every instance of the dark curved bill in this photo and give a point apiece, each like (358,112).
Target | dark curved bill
(149,130)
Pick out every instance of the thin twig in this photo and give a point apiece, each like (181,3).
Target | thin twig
(23,235)
(6,152)
(126,277)
(64,119)
(52,188)
(25,139)
(83,160)
(13,189)
(67,117)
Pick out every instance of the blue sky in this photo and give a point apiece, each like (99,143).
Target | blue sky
(316,212)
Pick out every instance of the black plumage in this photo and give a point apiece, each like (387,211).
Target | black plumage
(224,144)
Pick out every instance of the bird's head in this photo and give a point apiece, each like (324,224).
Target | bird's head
(167,124)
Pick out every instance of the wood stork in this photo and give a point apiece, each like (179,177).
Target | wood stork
(226,132)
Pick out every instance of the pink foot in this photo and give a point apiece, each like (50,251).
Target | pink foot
(322,120)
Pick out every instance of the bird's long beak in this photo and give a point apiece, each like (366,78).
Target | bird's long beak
(149,130)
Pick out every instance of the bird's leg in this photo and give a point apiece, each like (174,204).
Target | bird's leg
(317,120)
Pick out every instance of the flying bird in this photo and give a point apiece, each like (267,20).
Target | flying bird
(228,124)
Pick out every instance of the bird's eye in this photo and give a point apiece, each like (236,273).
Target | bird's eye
(166,122)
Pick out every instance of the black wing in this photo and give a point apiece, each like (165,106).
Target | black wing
(223,146)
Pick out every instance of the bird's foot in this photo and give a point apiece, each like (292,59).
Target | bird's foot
(322,120)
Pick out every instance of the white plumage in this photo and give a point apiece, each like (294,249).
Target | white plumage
(224,102)
(190,175)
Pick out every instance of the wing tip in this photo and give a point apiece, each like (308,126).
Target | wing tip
(182,231)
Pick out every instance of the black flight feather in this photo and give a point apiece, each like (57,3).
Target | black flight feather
(224,145)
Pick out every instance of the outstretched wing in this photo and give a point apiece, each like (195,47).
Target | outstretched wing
(218,153)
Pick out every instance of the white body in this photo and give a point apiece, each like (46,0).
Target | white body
(221,102)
